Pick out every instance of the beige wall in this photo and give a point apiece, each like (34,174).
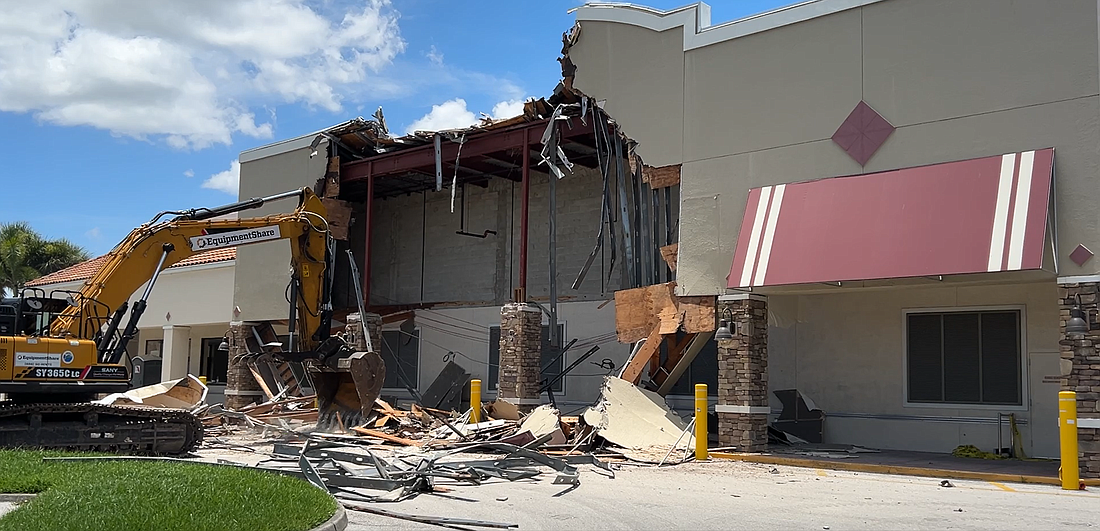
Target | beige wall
(199,301)
(193,295)
(958,79)
(845,350)
(264,268)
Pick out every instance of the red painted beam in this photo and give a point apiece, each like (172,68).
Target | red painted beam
(366,252)
(525,209)
(424,156)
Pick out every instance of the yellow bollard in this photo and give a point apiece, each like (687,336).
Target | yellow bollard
(1067,431)
(475,401)
(701,422)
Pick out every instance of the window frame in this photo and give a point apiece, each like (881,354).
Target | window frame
(419,358)
(160,351)
(204,361)
(1025,392)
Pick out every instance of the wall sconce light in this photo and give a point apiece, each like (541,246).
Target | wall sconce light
(725,326)
(1078,323)
(224,345)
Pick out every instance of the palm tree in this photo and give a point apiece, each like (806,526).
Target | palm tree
(24,255)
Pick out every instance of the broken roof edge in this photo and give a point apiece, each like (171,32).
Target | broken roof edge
(695,18)
(360,125)
(285,146)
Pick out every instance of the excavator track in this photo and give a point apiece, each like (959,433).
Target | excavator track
(99,428)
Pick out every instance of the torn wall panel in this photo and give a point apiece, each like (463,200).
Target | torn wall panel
(661,177)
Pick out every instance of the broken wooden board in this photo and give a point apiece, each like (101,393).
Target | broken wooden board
(661,177)
(698,313)
(635,365)
(385,436)
(639,310)
(332,178)
(338,215)
(669,252)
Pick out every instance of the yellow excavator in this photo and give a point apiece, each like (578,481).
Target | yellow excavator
(59,350)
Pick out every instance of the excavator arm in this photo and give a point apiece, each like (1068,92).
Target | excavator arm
(157,245)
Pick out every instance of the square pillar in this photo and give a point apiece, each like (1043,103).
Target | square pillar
(241,388)
(1080,371)
(353,332)
(743,374)
(174,352)
(520,354)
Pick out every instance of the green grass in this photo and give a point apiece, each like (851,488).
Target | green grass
(138,495)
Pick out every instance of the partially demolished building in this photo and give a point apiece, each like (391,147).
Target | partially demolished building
(864,190)
(520,229)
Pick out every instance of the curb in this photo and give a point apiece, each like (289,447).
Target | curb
(16,498)
(338,522)
(895,470)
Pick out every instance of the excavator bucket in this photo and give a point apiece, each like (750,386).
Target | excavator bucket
(345,397)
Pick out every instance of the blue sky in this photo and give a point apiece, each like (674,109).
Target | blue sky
(111,113)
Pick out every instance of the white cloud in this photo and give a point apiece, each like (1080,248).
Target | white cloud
(187,72)
(93,233)
(447,115)
(189,173)
(453,114)
(507,109)
(435,56)
(227,181)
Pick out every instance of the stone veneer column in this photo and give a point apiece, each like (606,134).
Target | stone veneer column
(241,389)
(1080,370)
(520,354)
(743,374)
(353,332)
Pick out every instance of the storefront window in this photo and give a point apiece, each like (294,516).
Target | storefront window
(964,357)
(153,348)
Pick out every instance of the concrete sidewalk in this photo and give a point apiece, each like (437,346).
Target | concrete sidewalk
(925,464)
(723,495)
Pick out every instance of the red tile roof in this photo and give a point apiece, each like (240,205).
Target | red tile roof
(85,270)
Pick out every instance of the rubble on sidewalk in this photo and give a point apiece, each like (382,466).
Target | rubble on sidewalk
(401,448)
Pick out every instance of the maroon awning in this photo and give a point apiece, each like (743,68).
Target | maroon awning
(971,216)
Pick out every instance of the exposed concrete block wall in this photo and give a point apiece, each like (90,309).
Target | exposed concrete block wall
(743,376)
(1080,359)
(520,357)
(418,257)
(241,387)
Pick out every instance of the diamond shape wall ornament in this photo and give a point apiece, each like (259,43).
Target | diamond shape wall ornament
(862,133)
(1080,255)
